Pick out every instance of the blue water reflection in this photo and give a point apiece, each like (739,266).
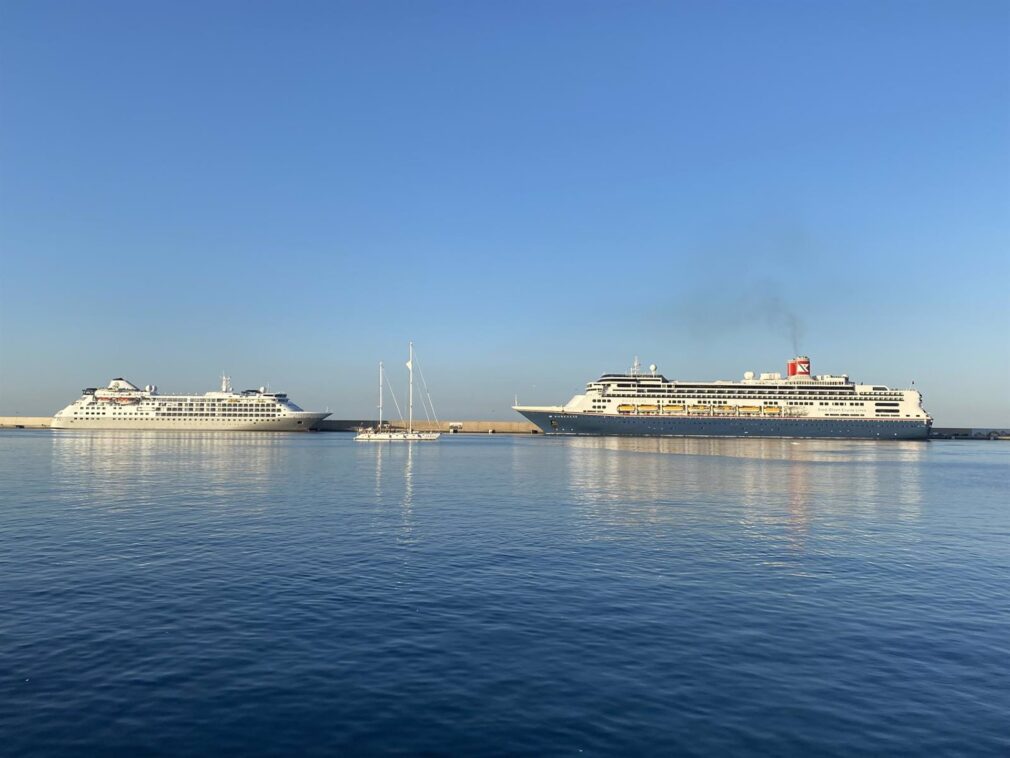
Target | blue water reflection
(278,594)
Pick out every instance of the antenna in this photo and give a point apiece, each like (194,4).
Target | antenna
(635,366)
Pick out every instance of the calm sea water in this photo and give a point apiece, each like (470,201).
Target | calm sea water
(166,593)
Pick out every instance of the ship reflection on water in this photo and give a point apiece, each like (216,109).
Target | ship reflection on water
(763,448)
(761,483)
(122,469)
(770,488)
(393,465)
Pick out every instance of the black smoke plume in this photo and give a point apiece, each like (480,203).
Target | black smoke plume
(716,313)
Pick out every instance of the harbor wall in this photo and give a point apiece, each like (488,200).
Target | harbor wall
(25,422)
(484,427)
(447,427)
(338,425)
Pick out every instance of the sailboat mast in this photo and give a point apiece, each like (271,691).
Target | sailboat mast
(410,401)
(380,396)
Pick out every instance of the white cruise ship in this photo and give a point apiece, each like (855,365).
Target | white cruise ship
(770,405)
(123,405)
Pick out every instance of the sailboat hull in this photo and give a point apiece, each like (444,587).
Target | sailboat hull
(396,436)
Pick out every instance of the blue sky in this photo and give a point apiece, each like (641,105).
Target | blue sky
(533,192)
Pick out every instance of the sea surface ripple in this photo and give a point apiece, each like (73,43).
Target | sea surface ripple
(184,594)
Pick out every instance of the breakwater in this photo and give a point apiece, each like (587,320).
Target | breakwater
(496,427)
(341,425)
(25,422)
(446,427)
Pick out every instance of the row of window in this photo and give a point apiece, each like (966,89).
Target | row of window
(170,414)
(175,418)
(603,403)
(753,393)
(145,418)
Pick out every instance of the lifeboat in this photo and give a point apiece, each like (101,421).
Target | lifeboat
(750,409)
(625,409)
(727,409)
(773,410)
(648,408)
(673,409)
(700,408)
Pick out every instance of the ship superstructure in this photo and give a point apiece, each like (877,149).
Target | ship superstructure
(123,405)
(766,405)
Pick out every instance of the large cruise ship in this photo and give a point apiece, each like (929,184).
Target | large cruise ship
(769,405)
(123,405)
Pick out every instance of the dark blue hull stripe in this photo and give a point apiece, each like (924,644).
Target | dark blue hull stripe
(711,426)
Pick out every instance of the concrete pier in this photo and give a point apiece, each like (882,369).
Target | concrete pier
(341,425)
(25,422)
(493,427)
(446,427)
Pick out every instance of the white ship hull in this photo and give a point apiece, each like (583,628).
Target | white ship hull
(302,422)
(123,405)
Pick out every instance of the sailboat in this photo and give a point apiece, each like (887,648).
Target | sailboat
(379,434)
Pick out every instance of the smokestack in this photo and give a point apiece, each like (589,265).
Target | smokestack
(799,366)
